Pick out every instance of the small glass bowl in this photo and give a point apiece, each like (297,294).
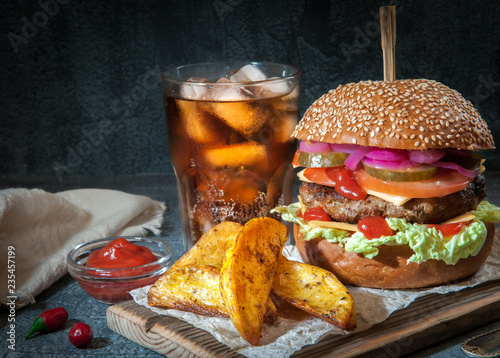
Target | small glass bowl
(112,285)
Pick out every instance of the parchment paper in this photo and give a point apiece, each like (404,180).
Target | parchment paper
(286,336)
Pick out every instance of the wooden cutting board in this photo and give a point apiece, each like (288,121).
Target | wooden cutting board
(427,320)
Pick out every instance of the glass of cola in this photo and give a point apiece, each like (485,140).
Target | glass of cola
(229,127)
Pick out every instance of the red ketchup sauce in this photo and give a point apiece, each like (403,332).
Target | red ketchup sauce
(341,178)
(449,229)
(119,254)
(317,213)
(374,227)
(346,183)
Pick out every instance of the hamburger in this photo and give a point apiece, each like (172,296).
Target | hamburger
(392,187)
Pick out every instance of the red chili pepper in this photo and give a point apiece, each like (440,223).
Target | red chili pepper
(80,335)
(48,321)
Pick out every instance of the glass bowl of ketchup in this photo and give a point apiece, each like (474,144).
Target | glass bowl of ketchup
(108,269)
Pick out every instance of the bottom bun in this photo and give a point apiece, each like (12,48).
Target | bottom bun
(388,269)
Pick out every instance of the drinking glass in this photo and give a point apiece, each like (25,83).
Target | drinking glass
(229,136)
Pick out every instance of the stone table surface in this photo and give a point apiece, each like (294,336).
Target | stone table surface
(81,307)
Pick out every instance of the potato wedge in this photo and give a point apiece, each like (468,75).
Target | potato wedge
(271,314)
(315,291)
(195,288)
(211,247)
(247,274)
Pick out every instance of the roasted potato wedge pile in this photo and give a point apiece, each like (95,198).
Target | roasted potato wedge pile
(234,270)
(195,288)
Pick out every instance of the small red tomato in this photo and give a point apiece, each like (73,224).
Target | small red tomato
(317,213)
(80,335)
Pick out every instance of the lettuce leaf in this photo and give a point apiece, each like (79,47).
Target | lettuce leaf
(487,212)
(426,243)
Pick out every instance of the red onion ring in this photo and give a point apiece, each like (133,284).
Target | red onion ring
(314,147)
(428,156)
(391,165)
(344,148)
(387,154)
(386,158)
(353,160)
(454,166)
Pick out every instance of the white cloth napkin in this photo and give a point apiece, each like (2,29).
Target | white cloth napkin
(38,229)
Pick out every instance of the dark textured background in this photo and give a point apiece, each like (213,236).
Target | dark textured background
(80,90)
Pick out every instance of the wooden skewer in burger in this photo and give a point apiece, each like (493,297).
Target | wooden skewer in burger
(392,194)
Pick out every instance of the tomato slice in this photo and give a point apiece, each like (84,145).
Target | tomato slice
(295,160)
(443,183)
(318,176)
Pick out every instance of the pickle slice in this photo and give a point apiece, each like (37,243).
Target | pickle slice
(467,159)
(419,173)
(322,160)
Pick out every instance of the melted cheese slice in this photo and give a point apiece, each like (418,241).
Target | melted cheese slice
(302,206)
(333,224)
(395,199)
(351,227)
(460,218)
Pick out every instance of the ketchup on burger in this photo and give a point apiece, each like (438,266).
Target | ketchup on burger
(392,192)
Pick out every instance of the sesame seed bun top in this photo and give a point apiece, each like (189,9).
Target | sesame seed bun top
(404,114)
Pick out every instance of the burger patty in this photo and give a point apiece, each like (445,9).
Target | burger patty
(423,211)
